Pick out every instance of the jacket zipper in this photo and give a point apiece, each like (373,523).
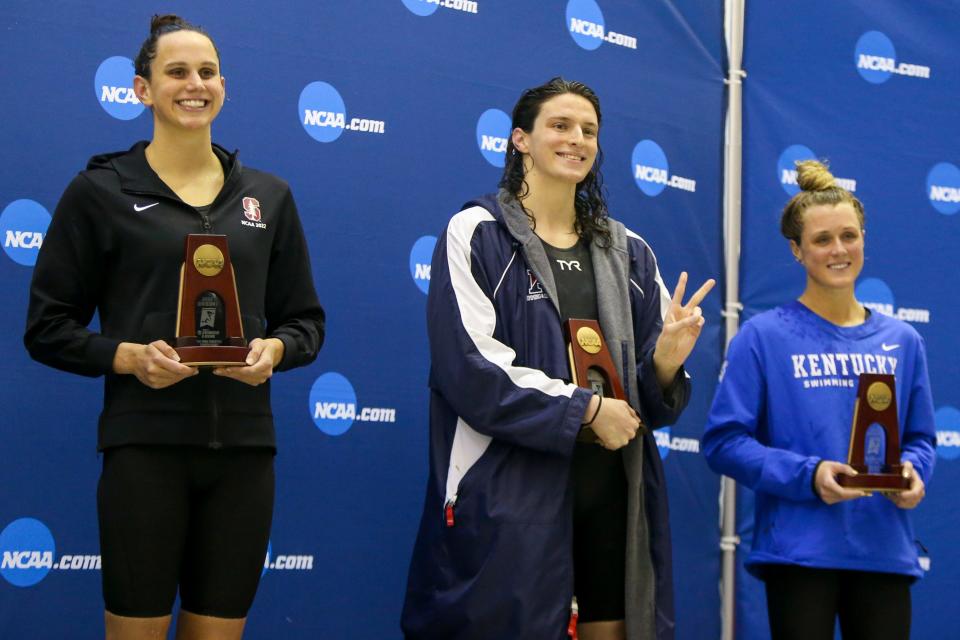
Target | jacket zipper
(214,417)
(574,616)
(448,510)
(214,405)
(207,227)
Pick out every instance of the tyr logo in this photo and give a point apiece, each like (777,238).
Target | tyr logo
(569,265)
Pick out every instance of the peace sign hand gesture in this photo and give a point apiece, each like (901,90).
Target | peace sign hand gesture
(681,328)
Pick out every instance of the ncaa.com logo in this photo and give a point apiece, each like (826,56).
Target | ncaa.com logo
(787,169)
(876,295)
(651,171)
(113,86)
(421,256)
(666,443)
(333,406)
(23,224)
(943,188)
(588,28)
(947,420)
(493,132)
(876,60)
(285,561)
(27,552)
(428,7)
(323,114)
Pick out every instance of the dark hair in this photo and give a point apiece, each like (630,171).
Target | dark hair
(818,187)
(589,203)
(159,26)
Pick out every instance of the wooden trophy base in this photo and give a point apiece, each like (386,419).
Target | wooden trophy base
(201,355)
(876,482)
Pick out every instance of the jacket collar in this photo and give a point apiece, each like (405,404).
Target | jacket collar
(136,175)
(611,266)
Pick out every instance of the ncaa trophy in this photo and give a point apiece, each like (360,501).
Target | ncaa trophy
(591,366)
(209,331)
(875,438)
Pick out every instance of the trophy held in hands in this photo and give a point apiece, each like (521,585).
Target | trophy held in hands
(209,331)
(875,438)
(591,365)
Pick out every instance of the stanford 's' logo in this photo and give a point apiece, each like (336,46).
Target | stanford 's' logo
(251,209)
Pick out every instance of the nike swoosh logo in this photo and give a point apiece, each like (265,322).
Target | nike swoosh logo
(888,347)
(138,208)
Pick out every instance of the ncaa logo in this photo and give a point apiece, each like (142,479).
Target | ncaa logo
(322,112)
(871,55)
(251,209)
(666,443)
(23,224)
(421,7)
(876,60)
(27,550)
(421,256)
(113,86)
(493,131)
(662,436)
(875,294)
(650,168)
(333,404)
(787,170)
(586,24)
(947,420)
(787,166)
(266,560)
(943,188)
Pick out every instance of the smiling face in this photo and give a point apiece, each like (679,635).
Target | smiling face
(563,143)
(831,246)
(185,89)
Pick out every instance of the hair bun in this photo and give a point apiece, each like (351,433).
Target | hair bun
(158,22)
(813,175)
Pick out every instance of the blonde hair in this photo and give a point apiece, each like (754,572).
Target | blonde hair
(818,186)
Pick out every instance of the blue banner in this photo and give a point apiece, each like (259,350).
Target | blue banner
(384,117)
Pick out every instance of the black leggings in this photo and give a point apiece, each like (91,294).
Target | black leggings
(804,603)
(184,517)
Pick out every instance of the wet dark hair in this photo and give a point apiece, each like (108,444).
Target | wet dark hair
(159,26)
(818,186)
(589,203)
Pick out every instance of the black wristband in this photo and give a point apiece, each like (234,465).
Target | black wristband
(595,413)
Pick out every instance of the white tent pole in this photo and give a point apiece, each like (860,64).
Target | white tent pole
(732,182)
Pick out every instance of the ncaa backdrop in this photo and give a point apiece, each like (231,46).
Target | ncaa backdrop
(385,116)
(875,93)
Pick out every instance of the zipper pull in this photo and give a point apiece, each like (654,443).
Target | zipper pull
(448,511)
(574,615)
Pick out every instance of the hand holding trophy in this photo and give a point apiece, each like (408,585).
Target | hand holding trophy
(591,367)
